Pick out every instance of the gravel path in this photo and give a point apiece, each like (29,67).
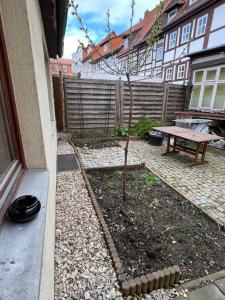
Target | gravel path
(83,267)
(105,157)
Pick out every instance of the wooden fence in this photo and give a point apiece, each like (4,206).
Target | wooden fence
(102,105)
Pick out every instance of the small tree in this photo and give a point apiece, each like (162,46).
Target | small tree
(129,70)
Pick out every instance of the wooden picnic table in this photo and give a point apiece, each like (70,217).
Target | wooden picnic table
(201,140)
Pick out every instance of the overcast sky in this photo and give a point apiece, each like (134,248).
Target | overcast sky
(93,13)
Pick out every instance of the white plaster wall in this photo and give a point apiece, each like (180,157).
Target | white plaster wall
(168,56)
(25,41)
(17,36)
(217,38)
(218,17)
(196,45)
(181,51)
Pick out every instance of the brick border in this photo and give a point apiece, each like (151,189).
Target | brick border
(116,168)
(139,285)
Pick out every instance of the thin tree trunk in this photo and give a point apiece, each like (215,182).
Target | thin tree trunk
(127,141)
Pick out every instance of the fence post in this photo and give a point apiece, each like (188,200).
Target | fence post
(164,104)
(121,100)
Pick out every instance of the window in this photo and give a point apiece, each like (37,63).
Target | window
(209,89)
(10,143)
(192,1)
(201,25)
(186,33)
(171,15)
(64,68)
(56,68)
(173,39)
(159,53)
(169,74)
(125,44)
(181,71)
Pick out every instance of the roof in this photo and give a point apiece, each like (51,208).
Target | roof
(54,15)
(174,4)
(116,42)
(62,61)
(142,29)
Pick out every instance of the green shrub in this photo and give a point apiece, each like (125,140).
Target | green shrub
(143,126)
(121,131)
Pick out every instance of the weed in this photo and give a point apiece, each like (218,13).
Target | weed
(90,177)
(110,184)
(129,194)
(150,179)
(208,207)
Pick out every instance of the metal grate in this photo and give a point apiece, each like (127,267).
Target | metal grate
(67,162)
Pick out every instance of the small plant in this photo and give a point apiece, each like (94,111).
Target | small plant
(122,131)
(129,194)
(90,177)
(150,179)
(155,202)
(110,184)
(208,207)
(143,126)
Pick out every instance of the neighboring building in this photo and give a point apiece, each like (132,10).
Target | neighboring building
(191,26)
(89,61)
(61,66)
(30,33)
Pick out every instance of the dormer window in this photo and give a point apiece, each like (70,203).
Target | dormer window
(192,2)
(171,15)
(125,44)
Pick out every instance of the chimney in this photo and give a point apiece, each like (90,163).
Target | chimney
(146,12)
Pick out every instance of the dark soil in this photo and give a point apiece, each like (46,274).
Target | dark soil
(162,227)
(99,145)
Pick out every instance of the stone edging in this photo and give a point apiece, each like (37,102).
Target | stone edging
(104,139)
(115,168)
(140,285)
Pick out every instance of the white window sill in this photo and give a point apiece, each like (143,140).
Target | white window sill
(21,245)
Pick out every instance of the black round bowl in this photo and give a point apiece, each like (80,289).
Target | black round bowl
(24,209)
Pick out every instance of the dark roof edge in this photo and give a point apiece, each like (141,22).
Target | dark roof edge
(62,10)
(206,51)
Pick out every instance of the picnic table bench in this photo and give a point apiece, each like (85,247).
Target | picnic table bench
(200,139)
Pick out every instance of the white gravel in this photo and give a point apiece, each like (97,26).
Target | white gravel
(83,267)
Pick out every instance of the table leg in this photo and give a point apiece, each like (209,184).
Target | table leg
(168,146)
(204,151)
(196,161)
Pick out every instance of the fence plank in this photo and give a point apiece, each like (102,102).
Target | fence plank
(101,105)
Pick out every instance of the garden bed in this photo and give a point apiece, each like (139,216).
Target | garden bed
(162,228)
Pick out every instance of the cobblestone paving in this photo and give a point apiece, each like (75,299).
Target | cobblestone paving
(203,185)
(105,157)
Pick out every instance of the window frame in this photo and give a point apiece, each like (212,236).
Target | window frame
(182,33)
(161,57)
(178,71)
(14,173)
(173,13)
(197,26)
(191,2)
(170,38)
(166,74)
(204,83)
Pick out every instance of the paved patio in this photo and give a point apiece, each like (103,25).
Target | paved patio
(212,291)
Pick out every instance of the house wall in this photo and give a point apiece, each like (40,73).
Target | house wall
(29,66)
(213,37)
